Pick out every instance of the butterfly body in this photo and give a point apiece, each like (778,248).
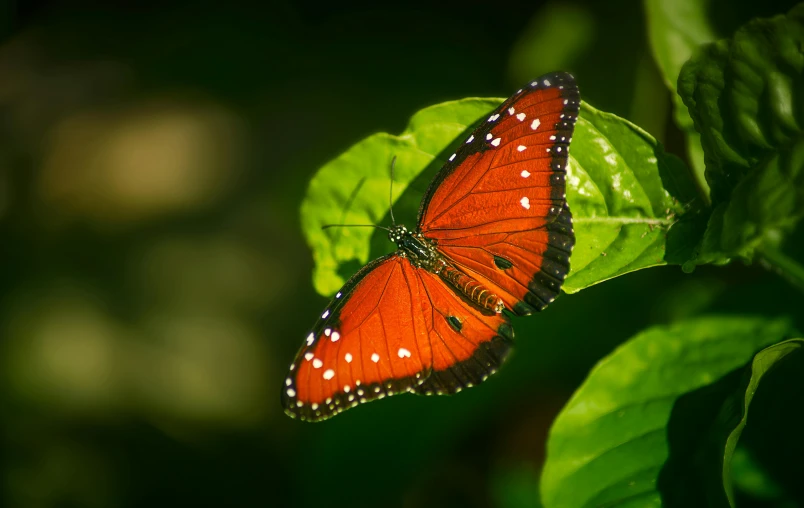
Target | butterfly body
(423,253)
(493,238)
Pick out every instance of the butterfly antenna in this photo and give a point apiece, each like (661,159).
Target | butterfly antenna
(391,193)
(328,226)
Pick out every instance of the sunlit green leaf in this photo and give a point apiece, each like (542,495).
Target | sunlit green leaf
(634,433)
(624,193)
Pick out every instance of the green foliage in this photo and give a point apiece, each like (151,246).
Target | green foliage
(746,97)
(660,417)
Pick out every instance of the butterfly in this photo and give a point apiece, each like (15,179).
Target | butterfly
(494,236)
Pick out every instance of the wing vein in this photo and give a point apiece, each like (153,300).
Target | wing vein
(413,318)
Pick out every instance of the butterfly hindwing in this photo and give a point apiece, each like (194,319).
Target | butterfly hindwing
(467,345)
(390,329)
(347,358)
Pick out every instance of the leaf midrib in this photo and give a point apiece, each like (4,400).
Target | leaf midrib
(624,220)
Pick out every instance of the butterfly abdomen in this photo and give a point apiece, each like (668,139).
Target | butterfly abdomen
(473,290)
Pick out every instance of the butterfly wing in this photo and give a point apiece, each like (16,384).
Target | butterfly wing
(498,208)
(392,328)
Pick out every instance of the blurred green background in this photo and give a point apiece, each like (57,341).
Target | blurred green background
(155,284)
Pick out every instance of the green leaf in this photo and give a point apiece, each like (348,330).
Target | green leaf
(763,362)
(676,29)
(623,190)
(765,204)
(632,433)
(746,98)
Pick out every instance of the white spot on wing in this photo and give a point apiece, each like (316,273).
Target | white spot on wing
(535,124)
(335,336)
(511,111)
(317,363)
(496,142)
(325,314)
(329,374)
(310,339)
(452,157)
(291,392)
(308,355)
(288,382)
(489,136)
(546,83)
(521,148)
(346,388)
(521,116)
(375,357)
(348,357)
(471,138)
(525,173)
(525,203)
(327,331)
(338,295)
(403,353)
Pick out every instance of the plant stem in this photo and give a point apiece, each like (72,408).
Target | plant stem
(788,268)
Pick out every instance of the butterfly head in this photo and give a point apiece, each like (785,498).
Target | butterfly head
(397,233)
(414,246)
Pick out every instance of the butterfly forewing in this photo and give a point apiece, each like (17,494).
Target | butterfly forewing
(498,209)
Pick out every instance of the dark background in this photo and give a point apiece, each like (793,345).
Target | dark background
(155,283)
